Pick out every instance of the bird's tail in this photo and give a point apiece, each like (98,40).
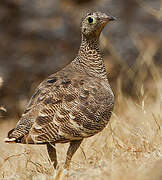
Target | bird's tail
(21,131)
(14,136)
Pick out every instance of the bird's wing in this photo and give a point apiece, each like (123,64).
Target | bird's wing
(66,107)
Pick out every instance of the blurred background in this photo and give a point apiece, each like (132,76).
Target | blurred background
(38,38)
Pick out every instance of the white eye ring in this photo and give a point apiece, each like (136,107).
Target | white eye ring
(91,20)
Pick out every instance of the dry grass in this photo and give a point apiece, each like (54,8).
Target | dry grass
(130,147)
(1,82)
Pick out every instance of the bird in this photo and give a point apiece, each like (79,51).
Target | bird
(73,103)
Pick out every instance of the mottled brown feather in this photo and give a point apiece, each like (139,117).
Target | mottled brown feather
(72,104)
(63,111)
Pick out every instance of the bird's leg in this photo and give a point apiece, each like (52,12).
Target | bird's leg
(52,154)
(74,145)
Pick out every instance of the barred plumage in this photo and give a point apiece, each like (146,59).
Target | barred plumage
(72,104)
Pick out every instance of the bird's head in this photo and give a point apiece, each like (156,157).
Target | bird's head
(94,22)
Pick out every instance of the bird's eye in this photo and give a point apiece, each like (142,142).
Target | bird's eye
(91,20)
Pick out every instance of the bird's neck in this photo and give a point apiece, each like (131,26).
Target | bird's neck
(89,58)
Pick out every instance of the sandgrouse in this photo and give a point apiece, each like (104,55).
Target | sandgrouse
(72,104)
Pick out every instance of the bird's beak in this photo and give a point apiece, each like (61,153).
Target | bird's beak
(112,18)
(107,18)
(104,19)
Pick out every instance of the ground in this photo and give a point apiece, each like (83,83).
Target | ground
(37,39)
(128,148)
